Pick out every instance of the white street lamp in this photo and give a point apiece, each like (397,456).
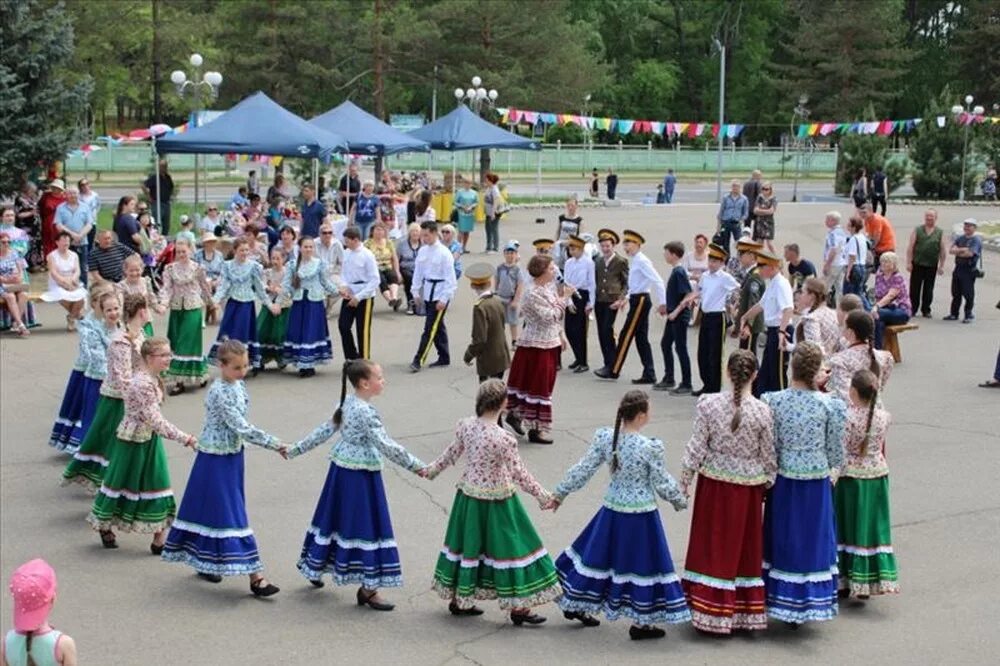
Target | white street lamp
(476,81)
(177,77)
(193,88)
(957,111)
(459,94)
(478,98)
(195,60)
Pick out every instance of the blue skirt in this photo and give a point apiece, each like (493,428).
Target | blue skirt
(800,551)
(351,536)
(620,565)
(76,412)
(239,322)
(211,532)
(307,339)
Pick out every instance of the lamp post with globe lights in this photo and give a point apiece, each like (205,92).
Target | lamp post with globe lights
(196,88)
(479,99)
(959,111)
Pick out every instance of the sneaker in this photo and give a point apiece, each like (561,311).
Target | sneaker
(681,390)
(950,318)
(664,385)
(969,319)
(414,367)
(926,315)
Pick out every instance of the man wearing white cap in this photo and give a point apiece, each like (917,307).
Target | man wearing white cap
(968,252)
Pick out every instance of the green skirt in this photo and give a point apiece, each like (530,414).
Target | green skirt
(491,551)
(864,546)
(271,334)
(91,460)
(135,495)
(188,360)
(147,329)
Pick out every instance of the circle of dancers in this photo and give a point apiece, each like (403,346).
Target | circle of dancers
(786,466)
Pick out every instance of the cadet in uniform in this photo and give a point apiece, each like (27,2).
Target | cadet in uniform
(579,274)
(750,291)
(714,288)
(489,342)
(611,276)
(777,306)
(433,288)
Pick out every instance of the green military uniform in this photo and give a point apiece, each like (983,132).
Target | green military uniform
(489,336)
(750,293)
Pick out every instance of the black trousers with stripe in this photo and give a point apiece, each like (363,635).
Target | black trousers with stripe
(576,327)
(360,318)
(711,344)
(636,327)
(435,332)
(773,373)
(605,318)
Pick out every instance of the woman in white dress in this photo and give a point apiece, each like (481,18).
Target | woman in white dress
(64,281)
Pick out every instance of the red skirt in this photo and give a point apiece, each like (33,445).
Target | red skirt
(722,573)
(529,386)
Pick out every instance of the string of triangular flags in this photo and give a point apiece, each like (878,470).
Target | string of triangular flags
(512,116)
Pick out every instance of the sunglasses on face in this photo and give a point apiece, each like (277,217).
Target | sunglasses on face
(326,233)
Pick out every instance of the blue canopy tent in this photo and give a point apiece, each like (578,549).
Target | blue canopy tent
(366,134)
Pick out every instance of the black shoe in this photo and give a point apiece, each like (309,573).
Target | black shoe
(794,626)
(683,389)
(176,389)
(156,550)
(605,373)
(369,600)
(644,380)
(844,593)
(950,318)
(698,393)
(414,367)
(316,582)
(664,385)
(587,619)
(108,539)
(925,315)
(439,364)
(637,633)
(581,369)
(535,438)
(526,618)
(969,319)
(211,578)
(514,423)
(259,588)
(254,372)
(573,365)
(455,610)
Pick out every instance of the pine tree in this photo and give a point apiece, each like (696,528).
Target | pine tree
(936,153)
(40,113)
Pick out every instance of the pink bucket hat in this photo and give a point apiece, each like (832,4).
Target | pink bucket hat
(33,586)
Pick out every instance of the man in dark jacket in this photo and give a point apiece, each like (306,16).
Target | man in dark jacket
(489,338)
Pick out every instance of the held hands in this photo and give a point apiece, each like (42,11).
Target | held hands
(275,310)
(744,330)
(282,450)
(191,442)
(552,505)
(353,302)
(662,310)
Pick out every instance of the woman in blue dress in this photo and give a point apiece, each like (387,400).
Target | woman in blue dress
(242,282)
(800,535)
(211,533)
(307,337)
(466,201)
(620,564)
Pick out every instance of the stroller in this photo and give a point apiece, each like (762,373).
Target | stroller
(160,261)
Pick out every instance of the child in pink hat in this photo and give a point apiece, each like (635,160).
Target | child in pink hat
(33,640)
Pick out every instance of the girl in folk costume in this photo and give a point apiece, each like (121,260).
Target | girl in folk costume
(800,539)
(89,462)
(351,536)
(860,354)
(33,640)
(620,564)
(867,562)
(84,386)
(817,322)
(242,282)
(271,328)
(732,451)
(135,495)
(135,283)
(211,532)
(186,291)
(491,549)
(307,340)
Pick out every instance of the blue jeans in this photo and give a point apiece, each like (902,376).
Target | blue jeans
(84,254)
(493,233)
(364,227)
(854,283)
(888,316)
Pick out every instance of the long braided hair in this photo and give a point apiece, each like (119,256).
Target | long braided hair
(741,367)
(296,280)
(807,359)
(865,383)
(633,404)
(490,396)
(132,304)
(354,371)
(863,327)
(817,289)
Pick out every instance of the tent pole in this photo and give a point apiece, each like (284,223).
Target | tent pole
(316,176)
(454,161)
(538,178)
(156,168)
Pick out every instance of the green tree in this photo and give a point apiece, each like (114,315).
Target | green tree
(977,47)
(936,154)
(42,112)
(867,151)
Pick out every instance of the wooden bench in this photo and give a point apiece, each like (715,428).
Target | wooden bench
(890,339)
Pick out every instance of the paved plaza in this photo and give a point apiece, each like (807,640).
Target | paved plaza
(125,607)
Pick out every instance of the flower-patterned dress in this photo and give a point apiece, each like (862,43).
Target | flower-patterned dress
(620,565)
(845,363)
(83,389)
(135,495)
(491,550)
(241,285)
(864,540)
(351,535)
(186,291)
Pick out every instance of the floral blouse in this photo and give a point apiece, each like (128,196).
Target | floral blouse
(123,358)
(493,464)
(226,428)
(845,363)
(95,337)
(185,287)
(543,313)
(745,457)
(363,440)
(640,477)
(144,287)
(142,412)
(314,282)
(242,282)
(808,432)
(820,326)
(884,284)
(873,464)
(274,279)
